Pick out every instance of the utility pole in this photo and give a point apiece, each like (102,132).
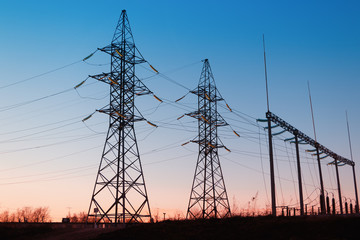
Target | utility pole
(322,195)
(119,193)
(272,172)
(338,184)
(299,175)
(208,192)
(356,192)
(353,166)
(69,214)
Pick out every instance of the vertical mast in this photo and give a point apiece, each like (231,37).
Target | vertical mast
(322,195)
(271,155)
(353,166)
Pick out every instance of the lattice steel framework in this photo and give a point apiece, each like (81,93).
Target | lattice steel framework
(286,126)
(208,198)
(120,194)
(320,149)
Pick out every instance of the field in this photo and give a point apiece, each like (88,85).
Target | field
(310,227)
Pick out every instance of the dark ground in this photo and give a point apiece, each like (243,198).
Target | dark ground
(310,227)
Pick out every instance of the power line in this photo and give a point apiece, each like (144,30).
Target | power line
(39,75)
(49,145)
(48,160)
(10,107)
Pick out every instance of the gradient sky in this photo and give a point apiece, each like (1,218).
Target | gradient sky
(49,157)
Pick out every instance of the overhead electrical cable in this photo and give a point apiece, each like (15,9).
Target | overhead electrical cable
(48,160)
(41,126)
(51,172)
(48,72)
(39,75)
(47,179)
(10,107)
(49,145)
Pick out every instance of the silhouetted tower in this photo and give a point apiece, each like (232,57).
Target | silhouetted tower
(120,194)
(208,196)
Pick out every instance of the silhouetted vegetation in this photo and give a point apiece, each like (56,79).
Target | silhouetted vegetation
(27,214)
(78,217)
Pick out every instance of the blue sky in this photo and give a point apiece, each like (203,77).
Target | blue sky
(315,41)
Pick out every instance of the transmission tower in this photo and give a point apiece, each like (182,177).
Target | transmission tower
(119,194)
(208,198)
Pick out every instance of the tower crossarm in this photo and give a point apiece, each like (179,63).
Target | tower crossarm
(118,51)
(212,97)
(117,115)
(103,77)
(195,114)
(112,79)
(286,126)
(219,121)
(141,88)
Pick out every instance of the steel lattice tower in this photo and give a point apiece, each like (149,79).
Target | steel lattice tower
(120,194)
(208,196)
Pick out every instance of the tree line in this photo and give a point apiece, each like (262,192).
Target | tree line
(27,215)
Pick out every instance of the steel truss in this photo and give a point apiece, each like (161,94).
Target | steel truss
(320,149)
(208,198)
(120,194)
(286,126)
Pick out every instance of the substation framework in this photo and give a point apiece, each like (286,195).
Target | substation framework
(319,149)
(119,194)
(208,198)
